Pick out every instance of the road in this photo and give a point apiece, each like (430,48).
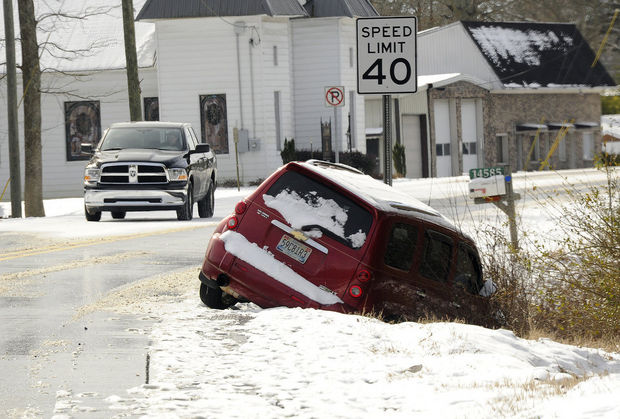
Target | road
(60,332)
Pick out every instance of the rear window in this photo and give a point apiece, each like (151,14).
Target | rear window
(468,271)
(437,256)
(400,247)
(309,205)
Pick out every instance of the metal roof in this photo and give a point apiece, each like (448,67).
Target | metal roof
(538,54)
(340,8)
(166,9)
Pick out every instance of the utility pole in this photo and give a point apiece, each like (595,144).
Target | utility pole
(131,59)
(14,165)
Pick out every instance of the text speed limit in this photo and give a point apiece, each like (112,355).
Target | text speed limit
(386,55)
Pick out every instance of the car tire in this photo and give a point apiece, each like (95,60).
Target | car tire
(211,297)
(206,205)
(92,216)
(118,215)
(187,211)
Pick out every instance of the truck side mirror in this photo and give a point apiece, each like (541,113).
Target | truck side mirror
(86,148)
(202,148)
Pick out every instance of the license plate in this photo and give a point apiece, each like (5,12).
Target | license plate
(293,249)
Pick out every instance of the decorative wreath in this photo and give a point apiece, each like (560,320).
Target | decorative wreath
(214,114)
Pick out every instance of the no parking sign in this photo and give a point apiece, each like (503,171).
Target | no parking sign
(334,96)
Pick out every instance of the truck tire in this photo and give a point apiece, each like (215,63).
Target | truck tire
(207,204)
(92,216)
(187,211)
(118,215)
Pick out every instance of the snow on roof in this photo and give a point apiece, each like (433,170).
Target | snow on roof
(377,193)
(538,54)
(91,41)
(610,125)
(166,9)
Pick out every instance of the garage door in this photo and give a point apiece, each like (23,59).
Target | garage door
(442,138)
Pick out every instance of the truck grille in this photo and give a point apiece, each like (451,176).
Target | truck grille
(133,173)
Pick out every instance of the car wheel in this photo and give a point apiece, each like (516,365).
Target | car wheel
(216,298)
(92,216)
(118,215)
(207,204)
(186,212)
(211,297)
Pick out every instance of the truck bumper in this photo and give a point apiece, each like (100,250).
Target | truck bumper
(134,200)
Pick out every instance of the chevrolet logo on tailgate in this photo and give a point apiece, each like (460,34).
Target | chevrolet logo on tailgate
(298,235)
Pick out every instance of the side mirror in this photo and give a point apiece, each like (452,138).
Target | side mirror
(202,148)
(86,148)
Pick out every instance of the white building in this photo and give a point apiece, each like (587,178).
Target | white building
(253,67)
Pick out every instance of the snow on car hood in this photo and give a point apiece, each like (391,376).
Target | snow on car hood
(301,211)
(264,261)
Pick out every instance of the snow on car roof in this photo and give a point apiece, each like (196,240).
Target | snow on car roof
(376,193)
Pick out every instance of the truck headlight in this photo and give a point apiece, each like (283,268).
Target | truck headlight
(91,174)
(177,174)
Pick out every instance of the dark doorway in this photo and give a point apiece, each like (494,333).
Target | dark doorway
(372,151)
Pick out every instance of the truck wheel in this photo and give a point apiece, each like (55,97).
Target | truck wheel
(186,212)
(207,204)
(118,215)
(92,216)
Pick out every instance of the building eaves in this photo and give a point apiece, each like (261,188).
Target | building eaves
(165,9)
(340,8)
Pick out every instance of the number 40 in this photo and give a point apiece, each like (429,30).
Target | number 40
(379,76)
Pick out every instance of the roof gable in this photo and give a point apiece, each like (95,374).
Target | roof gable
(538,54)
(340,8)
(166,9)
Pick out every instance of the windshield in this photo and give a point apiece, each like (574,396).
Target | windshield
(147,137)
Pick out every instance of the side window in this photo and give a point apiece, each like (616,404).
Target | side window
(468,271)
(400,247)
(436,256)
(190,140)
(194,138)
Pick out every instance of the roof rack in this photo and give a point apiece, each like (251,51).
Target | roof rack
(323,163)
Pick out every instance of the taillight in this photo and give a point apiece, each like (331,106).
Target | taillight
(355,291)
(232,223)
(241,207)
(363,275)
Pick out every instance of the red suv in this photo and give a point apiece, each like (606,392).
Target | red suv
(324,235)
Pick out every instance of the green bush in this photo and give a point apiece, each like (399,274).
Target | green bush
(288,151)
(610,105)
(400,165)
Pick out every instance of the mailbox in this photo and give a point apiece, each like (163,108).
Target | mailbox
(487,186)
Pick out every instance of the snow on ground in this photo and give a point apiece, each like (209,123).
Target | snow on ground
(253,363)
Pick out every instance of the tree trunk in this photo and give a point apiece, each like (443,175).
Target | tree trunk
(31,73)
(133,83)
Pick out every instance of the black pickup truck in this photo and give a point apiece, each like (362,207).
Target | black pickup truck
(149,166)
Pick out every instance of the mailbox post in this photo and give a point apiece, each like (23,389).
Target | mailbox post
(494,185)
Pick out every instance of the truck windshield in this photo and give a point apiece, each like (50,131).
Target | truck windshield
(149,138)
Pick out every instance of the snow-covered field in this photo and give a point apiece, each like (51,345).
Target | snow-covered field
(253,363)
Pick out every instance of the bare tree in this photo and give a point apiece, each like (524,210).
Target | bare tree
(31,74)
(131,59)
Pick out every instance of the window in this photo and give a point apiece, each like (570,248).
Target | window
(82,126)
(436,256)
(443,149)
(151,109)
(345,221)
(214,122)
(562,147)
(468,271)
(588,146)
(533,148)
(469,148)
(275,55)
(400,247)
(501,141)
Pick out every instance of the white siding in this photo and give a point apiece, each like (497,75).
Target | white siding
(62,178)
(316,62)
(199,56)
(458,54)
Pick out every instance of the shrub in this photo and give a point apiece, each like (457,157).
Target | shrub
(288,151)
(400,165)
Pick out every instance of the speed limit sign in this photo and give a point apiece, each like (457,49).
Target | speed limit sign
(386,55)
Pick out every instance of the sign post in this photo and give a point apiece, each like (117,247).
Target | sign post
(334,97)
(494,185)
(386,65)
